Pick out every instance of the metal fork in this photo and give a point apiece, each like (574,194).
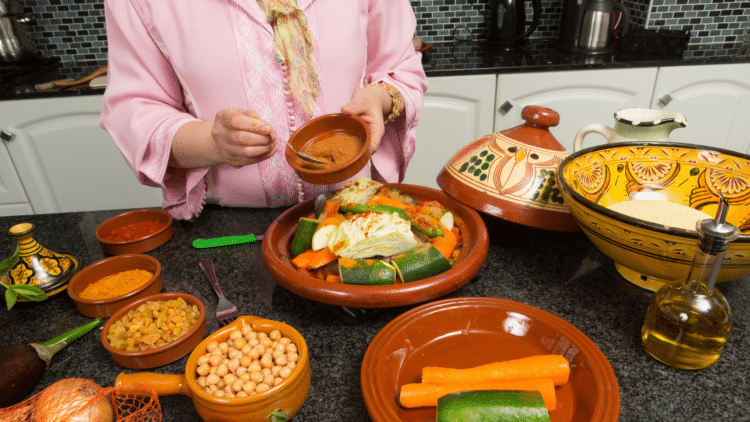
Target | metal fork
(226,311)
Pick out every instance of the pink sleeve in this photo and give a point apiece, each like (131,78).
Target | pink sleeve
(390,31)
(143,107)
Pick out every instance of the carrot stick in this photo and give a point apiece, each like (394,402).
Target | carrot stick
(311,259)
(384,200)
(541,366)
(445,243)
(331,208)
(426,395)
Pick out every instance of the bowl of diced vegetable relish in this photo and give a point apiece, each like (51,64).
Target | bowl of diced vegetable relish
(374,245)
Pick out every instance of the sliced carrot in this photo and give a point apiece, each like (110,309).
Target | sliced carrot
(333,278)
(445,243)
(384,200)
(332,220)
(426,395)
(311,259)
(555,367)
(331,208)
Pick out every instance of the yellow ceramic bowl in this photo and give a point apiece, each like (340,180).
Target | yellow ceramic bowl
(646,253)
(289,396)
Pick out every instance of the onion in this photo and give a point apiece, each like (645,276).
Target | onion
(68,400)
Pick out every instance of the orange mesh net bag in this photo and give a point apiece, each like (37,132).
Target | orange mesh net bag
(82,400)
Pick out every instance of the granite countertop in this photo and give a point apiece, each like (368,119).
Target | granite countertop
(443,59)
(561,273)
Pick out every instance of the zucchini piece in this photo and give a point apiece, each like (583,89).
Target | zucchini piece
(447,220)
(366,272)
(421,262)
(303,236)
(492,406)
(361,208)
(321,235)
(425,224)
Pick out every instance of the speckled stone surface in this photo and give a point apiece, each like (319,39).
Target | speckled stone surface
(562,273)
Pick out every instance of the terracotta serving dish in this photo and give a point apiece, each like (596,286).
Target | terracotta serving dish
(165,354)
(142,244)
(277,259)
(471,331)
(645,253)
(107,267)
(323,127)
(289,395)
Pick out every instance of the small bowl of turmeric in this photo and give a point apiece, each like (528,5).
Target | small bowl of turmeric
(104,287)
(340,140)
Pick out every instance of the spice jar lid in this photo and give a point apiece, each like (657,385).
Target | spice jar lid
(511,174)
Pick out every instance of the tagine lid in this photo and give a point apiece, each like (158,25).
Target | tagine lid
(511,174)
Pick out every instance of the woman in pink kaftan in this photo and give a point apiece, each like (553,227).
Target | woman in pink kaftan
(182,72)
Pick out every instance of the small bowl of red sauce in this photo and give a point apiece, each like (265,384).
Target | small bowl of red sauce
(341,140)
(134,231)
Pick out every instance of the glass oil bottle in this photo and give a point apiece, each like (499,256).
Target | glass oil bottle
(687,323)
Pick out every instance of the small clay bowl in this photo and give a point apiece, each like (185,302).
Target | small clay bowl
(168,353)
(289,396)
(104,308)
(142,244)
(323,127)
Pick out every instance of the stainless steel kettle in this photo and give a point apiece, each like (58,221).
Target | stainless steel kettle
(15,44)
(587,26)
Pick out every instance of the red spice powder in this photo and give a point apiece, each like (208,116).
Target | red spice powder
(133,231)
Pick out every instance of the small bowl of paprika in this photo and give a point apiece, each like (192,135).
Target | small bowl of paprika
(135,231)
(341,140)
(106,286)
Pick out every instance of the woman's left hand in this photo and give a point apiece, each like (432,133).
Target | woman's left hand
(371,103)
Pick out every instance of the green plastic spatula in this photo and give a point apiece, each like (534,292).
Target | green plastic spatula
(225,241)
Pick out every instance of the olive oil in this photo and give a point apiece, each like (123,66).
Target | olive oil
(687,323)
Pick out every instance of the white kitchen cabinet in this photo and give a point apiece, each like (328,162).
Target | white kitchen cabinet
(581,97)
(715,100)
(13,200)
(65,161)
(457,110)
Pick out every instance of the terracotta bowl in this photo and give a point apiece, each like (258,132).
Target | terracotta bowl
(276,256)
(323,127)
(107,267)
(139,245)
(165,354)
(289,395)
(471,331)
(645,253)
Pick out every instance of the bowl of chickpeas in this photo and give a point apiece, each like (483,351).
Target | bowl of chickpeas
(155,330)
(243,371)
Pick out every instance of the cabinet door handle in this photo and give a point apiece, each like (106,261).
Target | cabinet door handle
(664,100)
(505,108)
(6,136)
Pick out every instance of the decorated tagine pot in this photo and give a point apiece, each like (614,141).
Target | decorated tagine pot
(635,124)
(510,174)
(39,266)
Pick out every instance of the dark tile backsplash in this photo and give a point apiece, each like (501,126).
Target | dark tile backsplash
(74,30)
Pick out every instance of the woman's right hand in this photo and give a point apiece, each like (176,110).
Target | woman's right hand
(242,138)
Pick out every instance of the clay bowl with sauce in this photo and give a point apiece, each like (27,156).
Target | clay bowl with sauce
(135,231)
(340,139)
(105,307)
(289,395)
(167,353)
(645,252)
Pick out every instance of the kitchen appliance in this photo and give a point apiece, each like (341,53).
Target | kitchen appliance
(507,22)
(587,26)
(15,43)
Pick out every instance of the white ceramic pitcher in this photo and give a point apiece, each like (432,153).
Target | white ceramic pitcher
(635,124)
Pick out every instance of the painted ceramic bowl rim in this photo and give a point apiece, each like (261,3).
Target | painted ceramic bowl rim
(73,295)
(471,260)
(605,411)
(101,238)
(323,172)
(625,219)
(190,299)
(295,377)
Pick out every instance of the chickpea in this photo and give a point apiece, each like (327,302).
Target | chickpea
(215,360)
(266,361)
(245,377)
(203,359)
(281,360)
(212,388)
(285,372)
(277,381)
(201,381)
(212,379)
(217,352)
(266,342)
(291,348)
(275,335)
(253,342)
(210,347)
(219,393)
(254,366)
(285,341)
(275,370)
(203,370)
(246,329)
(265,371)
(246,361)
(233,364)
(229,395)
(249,387)
(251,336)
(268,379)
(246,349)
(262,335)
(241,394)
(256,377)
(229,379)
(254,354)
(276,353)
(240,370)
(234,335)
(223,346)
(237,385)
(212,370)
(222,370)
(232,353)
(292,357)
(291,365)
(220,384)
(262,388)
(238,343)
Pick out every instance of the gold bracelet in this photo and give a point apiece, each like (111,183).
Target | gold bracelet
(398,101)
